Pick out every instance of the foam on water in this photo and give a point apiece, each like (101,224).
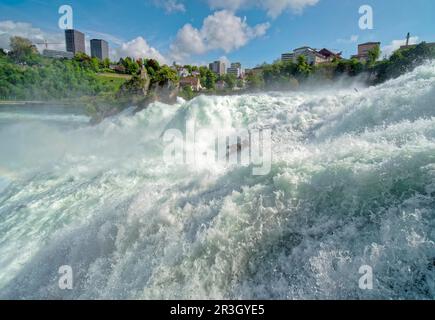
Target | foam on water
(352,183)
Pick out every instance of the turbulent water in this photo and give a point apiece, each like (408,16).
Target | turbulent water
(352,183)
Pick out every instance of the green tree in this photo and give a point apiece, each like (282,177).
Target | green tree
(152,66)
(374,55)
(355,67)
(187,93)
(164,75)
(402,61)
(106,63)
(240,83)
(303,68)
(210,80)
(95,64)
(22,49)
(255,81)
(131,66)
(230,80)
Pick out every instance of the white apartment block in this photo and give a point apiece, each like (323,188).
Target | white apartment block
(235,69)
(218,67)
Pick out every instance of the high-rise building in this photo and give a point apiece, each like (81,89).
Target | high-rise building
(218,67)
(235,69)
(75,41)
(99,49)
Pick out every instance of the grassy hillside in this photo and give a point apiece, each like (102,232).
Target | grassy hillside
(33,77)
(113,80)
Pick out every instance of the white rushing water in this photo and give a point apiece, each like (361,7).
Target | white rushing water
(352,183)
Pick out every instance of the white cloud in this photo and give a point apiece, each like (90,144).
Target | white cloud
(220,31)
(189,40)
(396,44)
(273,7)
(170,6)
(137,48)
(352,39)
(10,28)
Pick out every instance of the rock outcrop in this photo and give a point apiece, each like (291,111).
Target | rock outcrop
(137,88)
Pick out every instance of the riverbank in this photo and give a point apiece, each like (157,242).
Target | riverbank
(31,103)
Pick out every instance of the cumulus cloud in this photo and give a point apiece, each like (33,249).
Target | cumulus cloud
(396,44)
(137,48)
(10,28)
(220,31)
(273,7)
(170,6)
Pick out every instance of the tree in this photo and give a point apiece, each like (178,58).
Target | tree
(187,93)
(164,75)
(240,83)
(210,80)
(82,57)
(106,63)
(255,81)
(152,66)
(95,64)
(355,67)
(22,49)
(374,55)
(303,68)
(230,80)
(402,61)
(131,66)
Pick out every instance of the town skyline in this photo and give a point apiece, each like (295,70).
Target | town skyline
(254,27)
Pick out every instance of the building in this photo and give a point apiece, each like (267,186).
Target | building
(364,49)
(192,82)
(236,70)
(57,54)
(312,56)
(182,72)
(330,55)
(75,41)
(117,68)
(287,57)
(218,67)
(99,49)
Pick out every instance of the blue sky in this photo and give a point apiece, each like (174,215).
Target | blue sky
(199,31)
